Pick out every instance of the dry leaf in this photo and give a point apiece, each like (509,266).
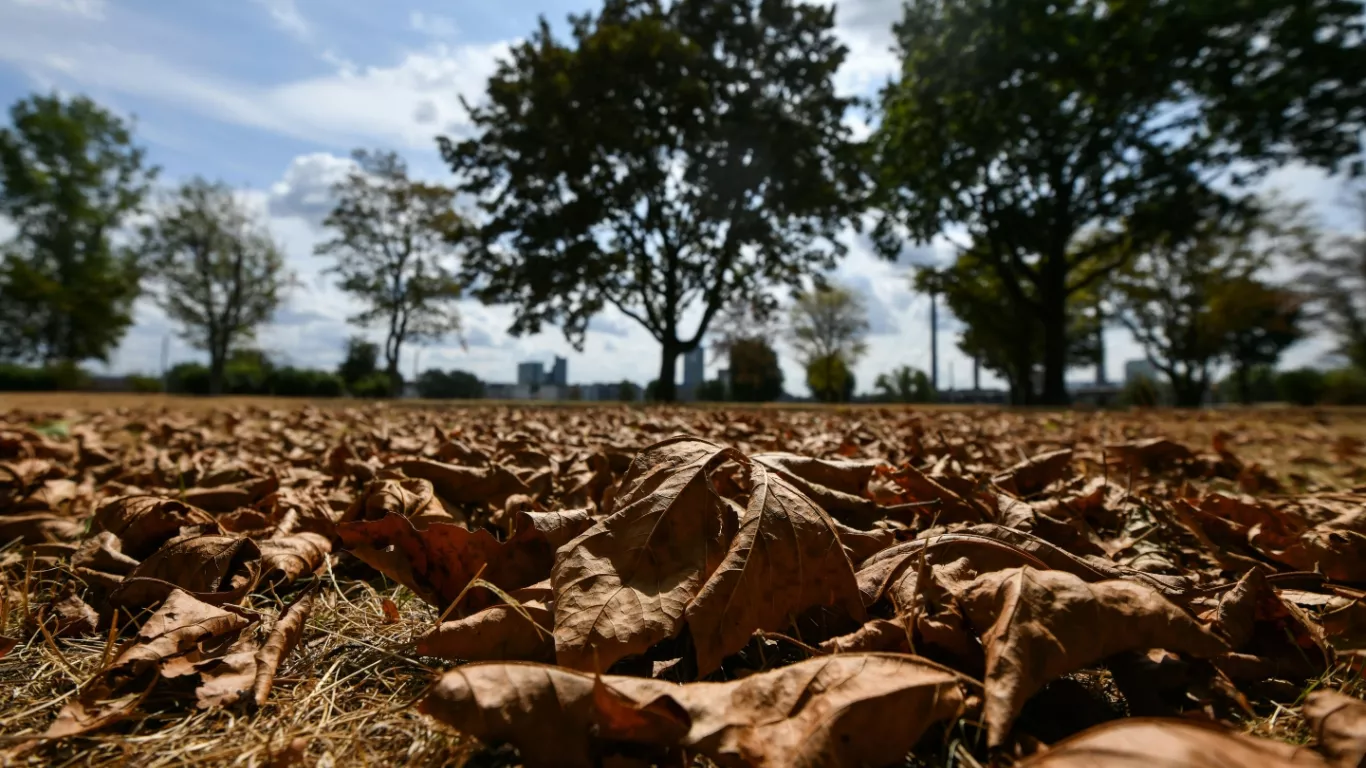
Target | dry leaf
(624,584)
(1148,742)
(519,632)
(1338,722)
(1038,625)
(786,558)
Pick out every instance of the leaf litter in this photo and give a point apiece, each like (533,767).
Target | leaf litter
(620,586)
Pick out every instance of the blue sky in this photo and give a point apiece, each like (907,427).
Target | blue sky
(271,96)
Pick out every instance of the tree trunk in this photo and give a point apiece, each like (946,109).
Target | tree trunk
(217,364)
(1242,375)
(665,391)
(1187,391)
(1053,300)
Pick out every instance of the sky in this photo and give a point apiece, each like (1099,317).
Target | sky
(271,96)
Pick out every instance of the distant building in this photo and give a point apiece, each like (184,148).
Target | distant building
(530,375)
(559,373)
(1139,369)
(694,373)
(499,391)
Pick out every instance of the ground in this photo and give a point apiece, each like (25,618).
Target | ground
(270,470)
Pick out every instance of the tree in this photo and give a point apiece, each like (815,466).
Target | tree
(755,376)
(395,239)
(1193,300)
(459,385)
(905,385)
(1031,124)
(1258,323)
(1336,283)
(999,330)
(70,177)
(672,158)
(830,379)
(362,360)
(828,327)
(219,273)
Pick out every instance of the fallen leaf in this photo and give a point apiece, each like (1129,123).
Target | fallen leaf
(215,569)
(144,523)
(785,558)
(436,562)
(624,584)
(1038,625)
(284,635)
(519,632)
(1338,722)
(1035,473)
(1147,742)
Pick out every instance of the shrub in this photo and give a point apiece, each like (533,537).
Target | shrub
(188,379)
(1346,386)
(1142,392)
(374,386)
(1304,386)
(713,391)
(63,377)
(144,384)
(301,382)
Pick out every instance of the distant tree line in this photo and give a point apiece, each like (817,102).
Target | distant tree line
(1090,163)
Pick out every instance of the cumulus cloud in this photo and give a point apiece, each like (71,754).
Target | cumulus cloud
(607,325)
(305,191)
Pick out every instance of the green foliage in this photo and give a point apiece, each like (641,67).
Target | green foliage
(1258,387)
(302,382)
(70,176)
(1345,386)
(827,326)
(219,273)
(1194,299)
(59,377)
(1304,386)
(713,391)
(362,359)
(1335,280)
(459,385)
(830,379)
(144,384)
(393,248)
(1142,392)
(628,392)
(755,376)
(373,387)
(668,157)
(188,379)
(1052,131)
(904,385)
(1001,328)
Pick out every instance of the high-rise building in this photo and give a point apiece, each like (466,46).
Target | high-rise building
(559,374)
(694,369)
(530,374)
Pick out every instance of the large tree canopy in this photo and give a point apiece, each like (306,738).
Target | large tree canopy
(70,176)
(672,157)
(1028,124)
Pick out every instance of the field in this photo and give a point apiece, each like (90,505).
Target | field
(269,582)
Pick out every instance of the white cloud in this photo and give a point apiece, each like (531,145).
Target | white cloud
(90,9)
(305,191)
(432,25)
(346,107)
(286,16)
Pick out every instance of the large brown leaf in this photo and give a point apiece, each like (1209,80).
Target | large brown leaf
(855,709)
(144,523)
(1038,625)
(852,709)
(215,569)
(555,716)
(490,485)
(786,558)
(1339,725)
(1152,742)
(180,625)
(624,584)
